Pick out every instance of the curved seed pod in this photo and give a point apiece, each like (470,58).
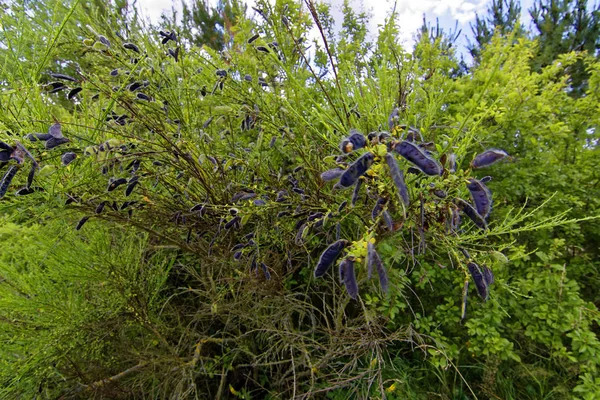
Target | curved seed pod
(455,220)
(488,275)
(6,146)
(102,39)
(479,280)
(54,142)
(355,141)
(81,222)
(338,231)
(232,222)
(387,218)
(356,170)
(27,190)
(485,179)
(5,155)
(356,192)
(378,208)
(398,178)
(115,184)
(31,176)
(342,206)
(331,174)
(143,96)
(260,202)
(100,207)
(68,158)
(262,49)
(7,179)
(300,235)
(253,38)
(349,277)
(73,92)
(463,305)
(488,158)
(265,271)
(393,118)
(440,193)
(329,256)
(482,197)
(63,77)
(375,260)
(130,188)
(414,154)
(131,46)
(472,213)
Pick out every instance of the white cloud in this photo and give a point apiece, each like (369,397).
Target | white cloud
(410,12)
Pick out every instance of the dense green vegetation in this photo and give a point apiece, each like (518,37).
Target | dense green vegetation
(160,263)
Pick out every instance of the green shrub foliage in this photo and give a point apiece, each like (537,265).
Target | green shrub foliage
(182,222)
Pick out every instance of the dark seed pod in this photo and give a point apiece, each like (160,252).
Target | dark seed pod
(414,154)
(130,188)
(54,142)
(465,253)
(63,77)
(232,222)
(100,207)
(115,184)
(393,118)
(26,190)
(387,218)
(349,277)
(463,307)
(5,156)
(488,275)
(102,39)
(57,89)
(355,141)
(440,193)
(134,86)
(342,206)
(454,220)
(248,78)
(260,202)
(130,203)
(329,256)
(282,196)
(379,205)
(356,170)
(73,92)
(174,54)
(398,178)
(482,197)
(31,175)
(472,213)
(485,179)
(241,196)
(488,158)
(331,174)
(81,222)
(221,73)
(131,46)
(7,179)
(68,158)
(479,280)
(237,255)
(338,231)
(207,123)
(262,49)
(375,260)
(143,96)
(6,147)
(356,192)
(253,38)
(114,72)
(265,270)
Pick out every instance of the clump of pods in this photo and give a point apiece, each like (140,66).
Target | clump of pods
(421,161)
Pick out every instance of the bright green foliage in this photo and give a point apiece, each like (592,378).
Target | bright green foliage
(150,298)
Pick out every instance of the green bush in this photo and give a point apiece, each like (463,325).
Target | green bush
(121,288)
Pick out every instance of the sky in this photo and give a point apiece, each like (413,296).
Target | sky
(410,14)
